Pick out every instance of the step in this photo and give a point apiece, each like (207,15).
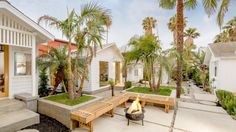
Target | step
(8,105)
(16,120)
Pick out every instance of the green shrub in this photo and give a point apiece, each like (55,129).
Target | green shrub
(227,100)
(128,84)
(43,83)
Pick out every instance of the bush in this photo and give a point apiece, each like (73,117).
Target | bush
(228,101)
(128,84)
(43,83)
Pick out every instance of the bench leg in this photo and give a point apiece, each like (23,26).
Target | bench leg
(125,104)
(167,108)
(90,125)
(143,103)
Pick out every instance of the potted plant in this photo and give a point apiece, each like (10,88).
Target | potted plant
(112,84)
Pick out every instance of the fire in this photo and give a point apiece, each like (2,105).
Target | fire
(135,107)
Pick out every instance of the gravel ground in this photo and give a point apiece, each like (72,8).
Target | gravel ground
(48,124)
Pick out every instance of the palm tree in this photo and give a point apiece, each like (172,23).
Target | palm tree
(222,37)
(163,66)
(173,26)
(145,49)
(201,68)
(188,57)
(210,7)
(56,61)
(191,34)
(149,23)
(91,35)
(68,29)
(231,27)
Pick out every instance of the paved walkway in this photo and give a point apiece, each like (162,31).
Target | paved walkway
(196,112)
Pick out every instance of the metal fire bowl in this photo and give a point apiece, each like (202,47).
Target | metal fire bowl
(134,117)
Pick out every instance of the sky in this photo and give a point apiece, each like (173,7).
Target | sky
(127,16)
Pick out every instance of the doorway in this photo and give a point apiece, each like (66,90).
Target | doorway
(4,70)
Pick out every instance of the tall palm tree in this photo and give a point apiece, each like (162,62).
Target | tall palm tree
(191,34)
(149,23)
(56,61)
(172,25)
(210,7)
(90,36)
(68,29)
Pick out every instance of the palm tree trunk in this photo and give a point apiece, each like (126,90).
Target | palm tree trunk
(180,26)
(153,76)
(159,78)
(70,85)
(59,79)
(75,74)
(82,81)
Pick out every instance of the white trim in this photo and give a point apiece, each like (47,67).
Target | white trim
(19,14)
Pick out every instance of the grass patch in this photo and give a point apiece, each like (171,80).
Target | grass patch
(164,90)
(64,99)
(103,83)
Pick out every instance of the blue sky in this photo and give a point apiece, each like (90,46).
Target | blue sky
(127,16)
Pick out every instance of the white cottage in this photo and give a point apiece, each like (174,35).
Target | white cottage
(135,73)
(221,58)
(18,38)
(105,65)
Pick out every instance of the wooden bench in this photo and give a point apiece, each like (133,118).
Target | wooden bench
(85,116)
(156,99)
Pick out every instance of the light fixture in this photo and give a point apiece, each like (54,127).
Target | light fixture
(1,48)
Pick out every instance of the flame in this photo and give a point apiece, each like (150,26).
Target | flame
(135,107)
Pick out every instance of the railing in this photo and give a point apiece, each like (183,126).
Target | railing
(13,33)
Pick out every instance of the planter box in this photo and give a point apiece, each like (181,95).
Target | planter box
(60,112)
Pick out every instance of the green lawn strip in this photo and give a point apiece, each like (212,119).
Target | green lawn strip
(164,90)
(64,99)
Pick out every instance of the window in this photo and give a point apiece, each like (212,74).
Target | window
(136,72)
(22,64)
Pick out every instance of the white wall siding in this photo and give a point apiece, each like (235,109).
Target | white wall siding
(131,72)
(18,84)
(226,75)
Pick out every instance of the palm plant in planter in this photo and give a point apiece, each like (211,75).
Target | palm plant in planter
(112,84)
(56,62)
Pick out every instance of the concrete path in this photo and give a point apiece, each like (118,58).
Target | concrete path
(197,112)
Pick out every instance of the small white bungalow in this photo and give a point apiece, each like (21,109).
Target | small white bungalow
(135,73)
(105,65)
(221,58)
(18,38)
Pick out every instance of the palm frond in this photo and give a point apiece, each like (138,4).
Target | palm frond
(190,4)
(167,4)
(210,6)
(223,9)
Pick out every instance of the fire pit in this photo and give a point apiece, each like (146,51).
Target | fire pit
(135,112)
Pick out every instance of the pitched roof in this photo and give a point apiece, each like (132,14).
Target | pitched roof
(41,32)
(223,49)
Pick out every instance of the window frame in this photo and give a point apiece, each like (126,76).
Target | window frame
(14,64)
